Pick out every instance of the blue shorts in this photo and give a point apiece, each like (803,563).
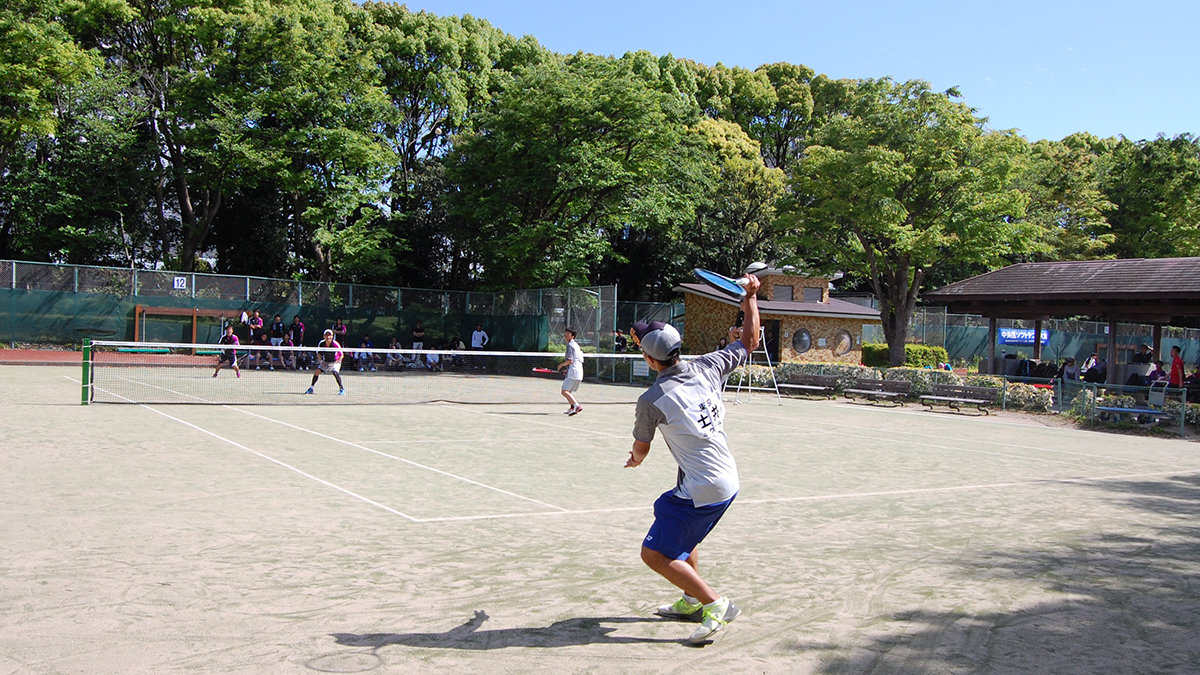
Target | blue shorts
(679,526)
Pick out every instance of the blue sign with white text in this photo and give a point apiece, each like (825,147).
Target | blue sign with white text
(1021,336)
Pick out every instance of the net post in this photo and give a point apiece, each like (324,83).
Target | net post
(86,377)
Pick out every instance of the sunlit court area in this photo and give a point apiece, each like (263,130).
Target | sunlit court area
(504,537)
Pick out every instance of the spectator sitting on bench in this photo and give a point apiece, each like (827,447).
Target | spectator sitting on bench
(262,357)
(363,358)
(1097,373)
(1194,378)
(1068,370)
(393,360)
(1145,354)
(287,359)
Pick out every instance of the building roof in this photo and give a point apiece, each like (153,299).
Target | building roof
(833,309)
(1134,288)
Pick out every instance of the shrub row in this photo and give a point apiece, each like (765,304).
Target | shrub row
(915,356)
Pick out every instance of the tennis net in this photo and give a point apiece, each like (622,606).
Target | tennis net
(139,372)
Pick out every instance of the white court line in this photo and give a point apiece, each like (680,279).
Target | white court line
(973,440)
(809,498)
(259,454)
(833,497)
(398,459)
(355,445)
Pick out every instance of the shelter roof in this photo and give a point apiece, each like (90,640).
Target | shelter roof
(834,308)
(1143,288)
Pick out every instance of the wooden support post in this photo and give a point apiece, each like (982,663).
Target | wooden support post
(1037,339)
(1112,352)
(1158,355)
(991,350)
(137,322)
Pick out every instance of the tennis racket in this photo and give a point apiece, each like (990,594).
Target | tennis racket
(545,371)
(734,288)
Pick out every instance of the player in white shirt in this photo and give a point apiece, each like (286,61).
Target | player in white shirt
(573,367)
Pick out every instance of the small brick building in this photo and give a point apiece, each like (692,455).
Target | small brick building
(801,321)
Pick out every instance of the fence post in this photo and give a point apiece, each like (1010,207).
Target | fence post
(193,286)
(76,271)
(247,289)
(133,290)
(85,379)
(349,295)
(299,293)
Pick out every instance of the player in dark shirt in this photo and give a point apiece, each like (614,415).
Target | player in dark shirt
(228,355)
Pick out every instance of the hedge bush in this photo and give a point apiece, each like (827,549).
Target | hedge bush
(922,379)
(760,376)
(993,381)
(915,356)
(1028,397)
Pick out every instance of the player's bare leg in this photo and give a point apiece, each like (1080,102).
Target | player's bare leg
(683,573)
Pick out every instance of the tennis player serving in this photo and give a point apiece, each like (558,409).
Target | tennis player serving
(685,404)
(328,361)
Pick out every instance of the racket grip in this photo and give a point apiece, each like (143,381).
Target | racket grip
(742,281)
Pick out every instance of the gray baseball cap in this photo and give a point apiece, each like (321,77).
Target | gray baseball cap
(659,340)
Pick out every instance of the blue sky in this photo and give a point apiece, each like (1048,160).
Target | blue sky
(1047,68)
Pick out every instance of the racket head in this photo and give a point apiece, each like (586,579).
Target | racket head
(543,370)
(720,283)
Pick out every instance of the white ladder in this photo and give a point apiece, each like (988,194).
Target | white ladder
(744,377)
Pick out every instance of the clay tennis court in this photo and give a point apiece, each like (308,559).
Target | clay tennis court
(504,539)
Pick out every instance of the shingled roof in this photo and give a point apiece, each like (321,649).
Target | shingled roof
(833,308)
(1135,288)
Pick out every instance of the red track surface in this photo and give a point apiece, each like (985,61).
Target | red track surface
(38,357)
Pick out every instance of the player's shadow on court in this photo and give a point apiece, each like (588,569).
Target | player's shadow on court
(566,633)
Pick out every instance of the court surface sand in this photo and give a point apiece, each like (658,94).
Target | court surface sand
(504,539)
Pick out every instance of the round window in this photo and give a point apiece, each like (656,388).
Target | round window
(801,340)
(842,342)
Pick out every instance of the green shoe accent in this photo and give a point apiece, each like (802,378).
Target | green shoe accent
(682,610)
(716,615)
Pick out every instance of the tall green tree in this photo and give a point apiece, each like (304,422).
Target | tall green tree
(37,58)
(570,150)
(909,181)
(1154,187)
(1065,202)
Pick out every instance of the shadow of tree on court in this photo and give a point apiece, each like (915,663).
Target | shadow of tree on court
(1121,603)
(569,632)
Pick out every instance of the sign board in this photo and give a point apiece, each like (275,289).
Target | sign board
(181,283)
(641,368)
(1021,336)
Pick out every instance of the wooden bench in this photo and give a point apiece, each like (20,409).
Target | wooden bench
(953,395)
(811,384)
(876,390)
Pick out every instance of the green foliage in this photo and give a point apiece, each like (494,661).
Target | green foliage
(1065,201)
(993,381)
(1154,187)
(915,355)
(1080,407)
(847,374)
(922,379)
(1022,396)
(906,183)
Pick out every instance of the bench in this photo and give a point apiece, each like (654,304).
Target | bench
(1156,397)
(876,390)
(811,384)
(953,395)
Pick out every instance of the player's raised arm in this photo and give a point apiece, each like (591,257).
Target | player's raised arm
(749,337)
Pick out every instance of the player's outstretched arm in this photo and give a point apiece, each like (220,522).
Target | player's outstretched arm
(637,454)
(749,338)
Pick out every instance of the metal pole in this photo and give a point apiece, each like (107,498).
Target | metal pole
(247,289)
(86,379)
(76,271)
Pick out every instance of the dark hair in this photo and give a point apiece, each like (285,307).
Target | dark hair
(671,360)
(1159,364)
(572,332)
(1175,348)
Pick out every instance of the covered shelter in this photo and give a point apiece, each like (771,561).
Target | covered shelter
(800,322)
(1155,291)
